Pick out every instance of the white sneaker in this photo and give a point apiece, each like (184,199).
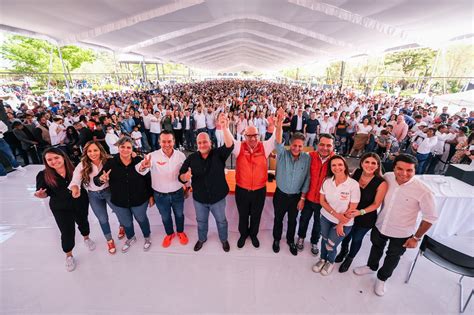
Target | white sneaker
(70,263)
(90,244)
(363,270)
(20,168)
(147,244)
(327,269)
(379,287)
(319,265)
(128,243)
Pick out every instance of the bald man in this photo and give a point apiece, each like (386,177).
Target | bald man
(205,170)
(251,179)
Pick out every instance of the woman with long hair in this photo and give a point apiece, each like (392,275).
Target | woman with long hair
(92,161)
(361,138)
(340,195)
(372,192)
(53,182)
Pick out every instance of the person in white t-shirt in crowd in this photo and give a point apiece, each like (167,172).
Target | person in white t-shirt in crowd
(406,197)
(164,165)
(261,124)
(440,150)
(361,138)
(325,125)
(423,149)
(340,195)
(155,130)
(137,138)
(241,125)
(111,139)
(57,131)
(200,120)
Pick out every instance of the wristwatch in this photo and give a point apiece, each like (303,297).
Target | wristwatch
(362,211)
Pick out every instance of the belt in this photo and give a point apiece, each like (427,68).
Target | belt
(287,195)
(170,193)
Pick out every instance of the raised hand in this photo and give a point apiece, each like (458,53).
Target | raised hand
(76,191)
(146,163)
(41,193)
(224,120)
(105,176)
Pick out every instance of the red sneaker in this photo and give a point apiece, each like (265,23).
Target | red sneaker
(167,240)
(183,238)
(121,233)
(111,246)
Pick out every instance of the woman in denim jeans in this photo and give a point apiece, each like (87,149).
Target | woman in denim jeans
(340,195)
(93,158)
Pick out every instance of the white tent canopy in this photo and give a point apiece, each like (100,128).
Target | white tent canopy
(241,34)
(456,101)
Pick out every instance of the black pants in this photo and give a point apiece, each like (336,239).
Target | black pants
(283,203)
(178,134)
(189,137)
(310,209)
(250,206)
(394,252)
(66,220)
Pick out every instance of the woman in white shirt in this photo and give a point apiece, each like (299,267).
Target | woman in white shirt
(361,138)
(93,158)
(155,130)
(340,195)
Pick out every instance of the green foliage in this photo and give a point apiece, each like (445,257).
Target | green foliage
(411,60)
(33,55)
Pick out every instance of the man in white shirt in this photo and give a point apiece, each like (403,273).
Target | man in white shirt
(440,149)
(406,197)
(200,120)
(57,131)
(164,165)
(423,149)
(147,117)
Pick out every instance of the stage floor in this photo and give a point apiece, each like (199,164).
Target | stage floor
(178,280)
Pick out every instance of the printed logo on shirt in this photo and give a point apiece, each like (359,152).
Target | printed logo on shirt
(344,195)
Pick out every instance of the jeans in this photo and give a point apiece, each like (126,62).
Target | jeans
(286,137)
(250,206)
(330,239)
(6,150)
(125,216)
(167,202)
(202,217)
(309,141)
(189,137)
(394,252)
(155,145)
(356,235)
(99,200)
(283,203)
(310,209)
(422,159)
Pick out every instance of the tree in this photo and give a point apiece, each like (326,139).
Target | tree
(33,55)
(412,60)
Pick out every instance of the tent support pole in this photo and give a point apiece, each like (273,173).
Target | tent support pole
(68,89)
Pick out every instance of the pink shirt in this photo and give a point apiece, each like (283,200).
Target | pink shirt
(400,131)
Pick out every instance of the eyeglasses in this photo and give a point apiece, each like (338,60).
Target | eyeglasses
(252,136)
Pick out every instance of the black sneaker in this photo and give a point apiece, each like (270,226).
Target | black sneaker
(293,249)
(198,245)
(255,242)
(226,246)
(345,265)
(241,242)
(276,246)
(314,249)
(342,254)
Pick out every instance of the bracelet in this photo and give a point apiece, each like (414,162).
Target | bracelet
(362,211)
(416,238)
(303,198)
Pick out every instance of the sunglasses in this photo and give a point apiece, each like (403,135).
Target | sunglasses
(252,136)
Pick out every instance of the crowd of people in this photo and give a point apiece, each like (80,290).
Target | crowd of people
(131,151)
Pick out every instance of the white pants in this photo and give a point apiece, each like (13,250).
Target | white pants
(309,141)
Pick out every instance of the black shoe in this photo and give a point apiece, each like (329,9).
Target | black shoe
(241,242)
(255,242)
(345,265)
(342,254)
(226,246)
(198,245)
(293,249)
(276,247)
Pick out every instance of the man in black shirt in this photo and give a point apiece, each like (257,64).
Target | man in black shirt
(206,168)
(311,129)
